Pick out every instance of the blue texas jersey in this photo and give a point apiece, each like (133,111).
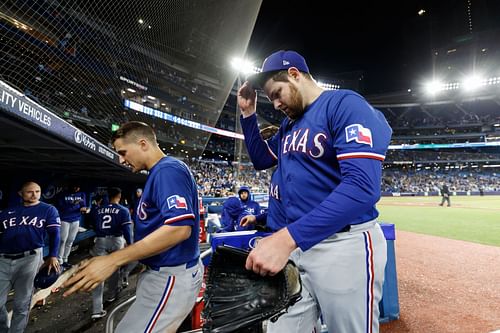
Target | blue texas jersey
(170,197)
(330,165)
(23,228)
(69,205)
(112,220)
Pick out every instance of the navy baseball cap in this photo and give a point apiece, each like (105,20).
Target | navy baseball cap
(278,61)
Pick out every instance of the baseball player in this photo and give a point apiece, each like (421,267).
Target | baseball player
(330,152)
(232,211)
(112,225)
(165,238)
(235,208)
(22,237)
(248,205)
(71,205)
(445,193)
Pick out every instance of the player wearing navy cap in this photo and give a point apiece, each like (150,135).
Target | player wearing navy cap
(165,239)
(22,237)
(330,152)
(112,225)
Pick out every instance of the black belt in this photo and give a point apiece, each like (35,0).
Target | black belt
(14,256)
(347,228)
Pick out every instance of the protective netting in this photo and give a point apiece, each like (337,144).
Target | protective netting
(85,59)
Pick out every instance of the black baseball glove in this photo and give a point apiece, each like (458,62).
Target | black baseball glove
(236,298)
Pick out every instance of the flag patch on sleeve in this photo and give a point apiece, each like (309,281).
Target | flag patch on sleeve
(177,201)
(359,134)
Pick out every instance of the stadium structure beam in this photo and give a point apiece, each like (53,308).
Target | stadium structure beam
(461,108)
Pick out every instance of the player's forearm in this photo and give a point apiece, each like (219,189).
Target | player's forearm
(159,241)
(54,239)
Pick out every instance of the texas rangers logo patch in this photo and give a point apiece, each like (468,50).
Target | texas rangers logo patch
(359,134)
(176,201)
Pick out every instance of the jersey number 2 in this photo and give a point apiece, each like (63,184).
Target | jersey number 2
(106,222)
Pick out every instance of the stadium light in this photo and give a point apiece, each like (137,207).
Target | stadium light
(434,87)
(493,80)
(328,86)
(244,66)
(473,82)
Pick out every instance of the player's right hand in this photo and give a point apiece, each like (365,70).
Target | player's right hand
(247,97)
(53,264)
(248,220)
(90,273)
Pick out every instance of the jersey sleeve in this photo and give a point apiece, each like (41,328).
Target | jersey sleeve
(52,225)
(359,130)
(173,195)
(125,216)
(53,220)
(83,203)
(126,225)
(263,153)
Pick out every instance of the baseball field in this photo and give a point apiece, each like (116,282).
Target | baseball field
(448,263)
(474,219)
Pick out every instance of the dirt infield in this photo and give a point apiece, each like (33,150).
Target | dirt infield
(446,285)
(432,204)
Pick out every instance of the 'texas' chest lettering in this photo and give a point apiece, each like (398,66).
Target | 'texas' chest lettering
(301,140)
(25,220)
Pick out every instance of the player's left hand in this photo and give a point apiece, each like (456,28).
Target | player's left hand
(271,253)
(90,273)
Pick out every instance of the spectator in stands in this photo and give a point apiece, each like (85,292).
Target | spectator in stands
(71,205)
(445,194)
(21,251)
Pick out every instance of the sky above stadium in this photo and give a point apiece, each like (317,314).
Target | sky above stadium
(391,44)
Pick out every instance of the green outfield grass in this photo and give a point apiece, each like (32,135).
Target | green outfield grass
(473,219)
